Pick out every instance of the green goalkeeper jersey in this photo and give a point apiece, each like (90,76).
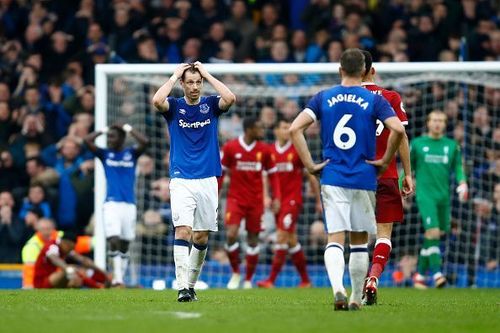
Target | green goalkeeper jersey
(433,161)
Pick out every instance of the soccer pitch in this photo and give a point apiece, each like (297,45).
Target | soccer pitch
(277,310)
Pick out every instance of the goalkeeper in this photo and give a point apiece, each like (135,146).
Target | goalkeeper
(433,158)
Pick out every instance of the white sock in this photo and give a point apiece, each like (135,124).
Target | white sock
(335,264)
(181,259)
(196,260)
(358,267)
(124,265)
(116,260)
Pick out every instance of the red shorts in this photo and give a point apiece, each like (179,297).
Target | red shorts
(42,282)
(389,206)
(287,218)
(235,212)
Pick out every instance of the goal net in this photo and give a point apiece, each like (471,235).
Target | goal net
(469,93)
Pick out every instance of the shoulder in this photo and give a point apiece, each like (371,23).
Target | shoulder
(175,101)
(418,140)
(210,99)
(230,144)
(390,95)
(52,249)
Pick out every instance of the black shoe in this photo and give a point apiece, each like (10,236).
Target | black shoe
(370,291)
(184,296)
(192,293)
(340,303)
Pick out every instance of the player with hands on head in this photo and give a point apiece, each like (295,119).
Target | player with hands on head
(194,165)
(120,210)
(348,115)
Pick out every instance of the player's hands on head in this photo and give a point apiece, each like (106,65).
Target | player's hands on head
(315,169)
(199,66)
(180,70)
(408,187)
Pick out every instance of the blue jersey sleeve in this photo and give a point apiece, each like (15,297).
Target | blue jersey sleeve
(100,153)
(172,108)
(382,108)
(314,105)
(214,104)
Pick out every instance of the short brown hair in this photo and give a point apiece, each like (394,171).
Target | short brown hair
(437,112)
(352,62)
(191,69)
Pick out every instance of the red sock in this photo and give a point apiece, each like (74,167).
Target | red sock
(233,253)
(278,262)
(252,260)
(299,260)
(99,277)
(89,282)
(381,255)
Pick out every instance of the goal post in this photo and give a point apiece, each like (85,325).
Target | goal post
(123,92)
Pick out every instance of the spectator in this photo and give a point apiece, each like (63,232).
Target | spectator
(58,54)
(10,175)
(81,102)
(66,164)
(36,198)
(211,44)
(334,51)
(146,50)
(7,124)
(120,38)
(242,27)
(191,50)
(11,230)
(32,132)
(299,45)
(423,44)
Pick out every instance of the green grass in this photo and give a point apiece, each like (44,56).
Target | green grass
(260,311)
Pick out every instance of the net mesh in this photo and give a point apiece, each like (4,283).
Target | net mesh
(471,101)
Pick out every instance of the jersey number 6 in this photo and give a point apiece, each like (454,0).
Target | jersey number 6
(342,129)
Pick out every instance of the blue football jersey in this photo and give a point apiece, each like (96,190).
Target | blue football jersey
(119,167)
(194,142)
(348,116)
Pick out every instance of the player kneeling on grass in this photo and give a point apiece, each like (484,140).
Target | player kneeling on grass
(348,114)
(194,165)
(53,271)
(120,211)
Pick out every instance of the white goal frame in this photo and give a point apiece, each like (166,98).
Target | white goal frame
(101,89)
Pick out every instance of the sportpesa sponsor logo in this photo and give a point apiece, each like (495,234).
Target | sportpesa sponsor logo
(196,124)
(124,164)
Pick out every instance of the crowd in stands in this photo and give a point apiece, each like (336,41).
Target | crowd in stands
(48,50)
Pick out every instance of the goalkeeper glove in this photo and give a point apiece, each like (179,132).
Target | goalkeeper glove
(463,192)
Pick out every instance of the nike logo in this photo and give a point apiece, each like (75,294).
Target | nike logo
(381,257)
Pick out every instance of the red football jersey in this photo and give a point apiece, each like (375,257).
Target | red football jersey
(43,266)
(290,171)
(246,164)
(383,133)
